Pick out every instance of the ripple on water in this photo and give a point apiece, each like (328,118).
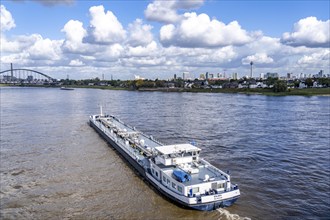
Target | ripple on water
(53,165)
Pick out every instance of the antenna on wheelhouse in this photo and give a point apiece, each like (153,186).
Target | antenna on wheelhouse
(101,110)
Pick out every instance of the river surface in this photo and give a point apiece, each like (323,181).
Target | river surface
(55,166)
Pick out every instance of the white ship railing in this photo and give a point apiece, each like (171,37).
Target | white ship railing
(213,168)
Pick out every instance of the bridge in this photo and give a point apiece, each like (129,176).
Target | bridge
(24,76)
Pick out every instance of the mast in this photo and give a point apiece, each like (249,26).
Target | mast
(101,110)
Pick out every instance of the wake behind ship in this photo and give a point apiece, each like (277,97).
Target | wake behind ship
(176,171)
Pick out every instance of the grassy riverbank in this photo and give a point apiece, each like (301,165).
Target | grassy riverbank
(270,92)
(302,92)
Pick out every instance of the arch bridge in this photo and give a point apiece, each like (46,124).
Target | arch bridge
(23,75)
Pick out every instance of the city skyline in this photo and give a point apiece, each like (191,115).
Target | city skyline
(156,39)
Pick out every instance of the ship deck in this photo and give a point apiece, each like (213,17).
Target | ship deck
(130,131)
(198,178)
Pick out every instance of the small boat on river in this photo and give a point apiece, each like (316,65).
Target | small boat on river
(177,171)
(66,88)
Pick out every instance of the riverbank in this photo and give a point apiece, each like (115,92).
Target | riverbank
(260,91)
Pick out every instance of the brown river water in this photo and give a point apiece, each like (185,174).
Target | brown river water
(55,166)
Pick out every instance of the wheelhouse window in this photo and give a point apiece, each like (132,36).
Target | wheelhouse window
(195,190)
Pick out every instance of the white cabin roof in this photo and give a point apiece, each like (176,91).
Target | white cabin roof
(176,148)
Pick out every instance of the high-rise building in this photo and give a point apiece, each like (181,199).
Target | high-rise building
(234,76)
(186,75)
(320,75)
(271,75)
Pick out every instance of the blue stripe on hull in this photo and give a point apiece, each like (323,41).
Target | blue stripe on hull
(214,205)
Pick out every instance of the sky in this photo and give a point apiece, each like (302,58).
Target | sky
(157,39)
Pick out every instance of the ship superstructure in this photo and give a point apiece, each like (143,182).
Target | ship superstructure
(177,171)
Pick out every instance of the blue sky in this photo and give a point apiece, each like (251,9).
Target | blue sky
(169,37)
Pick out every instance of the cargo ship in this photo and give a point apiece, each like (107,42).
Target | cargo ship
(177,171)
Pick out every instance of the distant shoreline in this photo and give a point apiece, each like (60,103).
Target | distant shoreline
(257,91)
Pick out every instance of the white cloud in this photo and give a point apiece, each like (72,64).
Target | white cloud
(8,46)
(320,57)
(145,61)
(260,58)
(76,62)
(166,11)
(33,49)
(309,32)
(104,27)
(200,31)
(7,21)
(45,49)
(74,33)
(113,52)
(161,11)
(139,33)
(193,42)
(22,58)
(149,50)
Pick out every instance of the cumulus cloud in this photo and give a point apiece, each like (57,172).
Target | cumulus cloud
(104,27)
(34,49)
(260,58)
(200,31)
(113,52)
(145,61)
(309,32)
(7,45)
(140,51)
(320,57)
(7,21)
(45,49)
(22,58)
(166,11)
(74,35)
(139,33)
(76,62)
(161,11)
(191,42)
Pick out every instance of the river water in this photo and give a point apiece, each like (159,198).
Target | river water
(55,166)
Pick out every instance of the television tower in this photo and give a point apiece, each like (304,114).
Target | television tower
(251,63)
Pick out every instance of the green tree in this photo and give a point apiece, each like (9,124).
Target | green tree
(324,82)
(309,82)
(270,81)
(280,86)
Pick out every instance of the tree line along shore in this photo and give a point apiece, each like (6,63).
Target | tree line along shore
(269,86)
